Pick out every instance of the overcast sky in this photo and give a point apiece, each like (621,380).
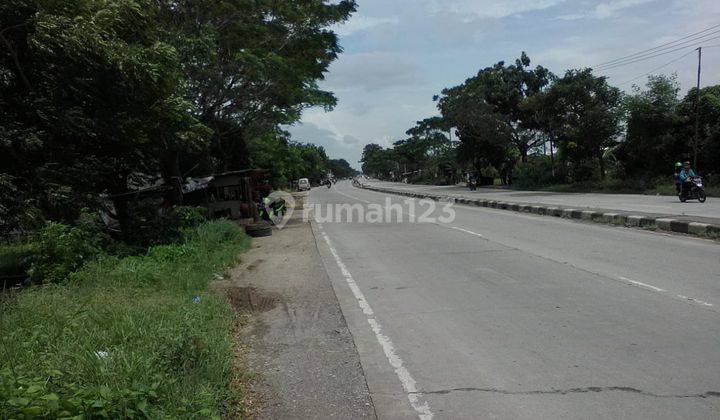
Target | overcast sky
(399,53)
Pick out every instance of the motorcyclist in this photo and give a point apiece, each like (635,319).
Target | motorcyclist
(686,175)
(678,183)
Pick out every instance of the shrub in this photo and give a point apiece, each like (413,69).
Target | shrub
(537,171)
(150,225)
(16,259)
(61,250)
(127,337)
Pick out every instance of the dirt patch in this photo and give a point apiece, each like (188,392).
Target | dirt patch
(254,265)
(247,299)
(295,340)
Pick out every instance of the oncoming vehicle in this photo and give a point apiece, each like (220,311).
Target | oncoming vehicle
(693,189)
(303,184)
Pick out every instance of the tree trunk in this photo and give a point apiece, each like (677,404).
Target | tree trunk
(552,160)
(601,163)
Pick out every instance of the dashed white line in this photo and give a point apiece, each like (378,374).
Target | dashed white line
(698,301)
(625,279)
(467,231)
(645,285)
(421,407)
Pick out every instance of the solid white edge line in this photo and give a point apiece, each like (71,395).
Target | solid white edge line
(421,407)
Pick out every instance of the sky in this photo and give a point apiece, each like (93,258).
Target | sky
(399,53)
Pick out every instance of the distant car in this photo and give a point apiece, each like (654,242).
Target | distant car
(303,184)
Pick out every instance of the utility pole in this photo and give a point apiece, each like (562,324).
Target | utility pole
(697,111)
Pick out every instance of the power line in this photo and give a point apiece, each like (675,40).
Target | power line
(658,68)
(668,63)
(659,46)
(654,55)
(687,44)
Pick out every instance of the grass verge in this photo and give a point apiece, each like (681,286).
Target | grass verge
(133,337)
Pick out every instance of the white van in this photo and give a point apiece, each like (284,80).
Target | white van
(303,184)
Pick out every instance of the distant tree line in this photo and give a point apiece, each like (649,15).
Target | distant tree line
(98,97)
(531,128)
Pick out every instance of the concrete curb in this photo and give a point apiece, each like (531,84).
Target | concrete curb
(613,218)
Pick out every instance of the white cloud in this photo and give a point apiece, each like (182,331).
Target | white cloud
(494,8)
(610,8)
(360,23)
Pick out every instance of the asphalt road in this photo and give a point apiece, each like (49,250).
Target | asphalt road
(651,204)
(504,315)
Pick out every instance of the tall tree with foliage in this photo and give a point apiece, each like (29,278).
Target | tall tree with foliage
(651,143)
(708,115)
(379,162)
(85,87)
(585,114)
(252,65)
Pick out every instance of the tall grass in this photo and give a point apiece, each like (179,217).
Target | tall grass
(132,337)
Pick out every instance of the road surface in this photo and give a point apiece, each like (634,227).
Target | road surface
(659,205)
(513,316)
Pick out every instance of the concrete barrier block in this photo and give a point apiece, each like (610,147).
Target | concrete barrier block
(586,214)
(664,223)
(514,207)
(620,219)
(639,221)
(609,217)
(535,209)
(567,213)
(713,230)
(680,226)
(553,211)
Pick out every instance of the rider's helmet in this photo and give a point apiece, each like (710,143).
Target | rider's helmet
(678,165)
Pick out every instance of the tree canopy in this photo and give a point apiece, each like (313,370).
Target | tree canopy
(101,96)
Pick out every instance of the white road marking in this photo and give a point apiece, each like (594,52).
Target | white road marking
(625,279)
(421,407)
(467,231)
(698,301)
(645,285)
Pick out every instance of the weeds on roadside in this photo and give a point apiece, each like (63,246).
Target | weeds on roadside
(132,337)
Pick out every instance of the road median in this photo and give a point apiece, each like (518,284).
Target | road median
(685,225)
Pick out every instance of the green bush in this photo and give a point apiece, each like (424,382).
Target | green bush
(150,225)
(15,259)
(537,171)
(61,250)
(128,337)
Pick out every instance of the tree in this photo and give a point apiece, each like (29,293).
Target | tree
(709,127)
(651,144)
(495,123)
(585,114)
(378,162)
(340,168)
(485,139)
(82,85)
(252,65)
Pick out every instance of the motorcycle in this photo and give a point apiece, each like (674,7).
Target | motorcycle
(328,183)
(270,211)
(472,184)
(693,190)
